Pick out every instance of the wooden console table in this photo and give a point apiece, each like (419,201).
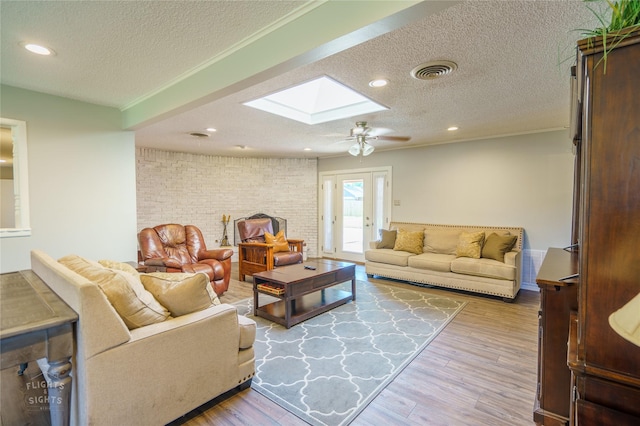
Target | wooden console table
(36,324)
(558,298)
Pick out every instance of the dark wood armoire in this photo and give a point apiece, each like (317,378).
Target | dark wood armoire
(605,368)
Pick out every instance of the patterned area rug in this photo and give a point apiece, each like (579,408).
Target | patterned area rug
(327,369)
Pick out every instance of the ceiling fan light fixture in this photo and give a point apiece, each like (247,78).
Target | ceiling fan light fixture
(367,149)
(355,149)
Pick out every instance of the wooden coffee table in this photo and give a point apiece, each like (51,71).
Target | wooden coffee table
(303,293)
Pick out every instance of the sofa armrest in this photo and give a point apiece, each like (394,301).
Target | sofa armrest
(247,331)
(211,314)
(513,258)
(374,244)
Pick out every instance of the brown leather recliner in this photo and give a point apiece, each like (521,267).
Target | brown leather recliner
(178,248)
(255,255)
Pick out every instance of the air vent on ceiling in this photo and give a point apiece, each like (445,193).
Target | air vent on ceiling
(431,70)
(199,135)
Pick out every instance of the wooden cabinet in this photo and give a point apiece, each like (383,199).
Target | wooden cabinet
(606,367)
(558,298)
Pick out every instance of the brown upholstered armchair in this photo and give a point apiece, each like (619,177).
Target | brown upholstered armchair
(178,248)
(255,254)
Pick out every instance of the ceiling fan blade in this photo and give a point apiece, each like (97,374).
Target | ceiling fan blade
(394,138)
(379,131)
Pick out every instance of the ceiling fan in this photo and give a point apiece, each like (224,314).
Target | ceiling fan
(362,134)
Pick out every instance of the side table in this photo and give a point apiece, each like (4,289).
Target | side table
(36,323)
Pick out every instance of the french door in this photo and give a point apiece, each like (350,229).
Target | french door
(354,205)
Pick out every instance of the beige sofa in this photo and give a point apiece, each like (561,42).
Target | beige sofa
(152,374)
(441,262)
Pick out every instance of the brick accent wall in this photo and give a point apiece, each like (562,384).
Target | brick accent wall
(177,187)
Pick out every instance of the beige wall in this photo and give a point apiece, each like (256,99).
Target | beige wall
(198,189)
(81,180)
(512,181)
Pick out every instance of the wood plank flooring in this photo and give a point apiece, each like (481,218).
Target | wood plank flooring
(480,370)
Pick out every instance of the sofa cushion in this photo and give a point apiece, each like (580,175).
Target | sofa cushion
(470,244)
(483,268)
(180,293)
(497,245)
(411,241)
(443,241)
(121,266)
(135,305)
(387,239)
(389,256)
(432,261)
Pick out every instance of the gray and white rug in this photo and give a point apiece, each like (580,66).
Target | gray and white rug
(330,367)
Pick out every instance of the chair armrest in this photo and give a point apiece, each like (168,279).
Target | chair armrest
(265,245)
(295,245)
(165,262)
(154,262)
(218,254)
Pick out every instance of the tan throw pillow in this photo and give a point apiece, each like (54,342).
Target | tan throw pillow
(387,239)
(121,266)
(181,293)
(410,241)
(470,244)
(135,305)
(279,241)
(441,241)
(497,245)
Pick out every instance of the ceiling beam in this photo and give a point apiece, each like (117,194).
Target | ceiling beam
(323,29)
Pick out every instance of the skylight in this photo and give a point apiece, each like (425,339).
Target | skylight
(317,101)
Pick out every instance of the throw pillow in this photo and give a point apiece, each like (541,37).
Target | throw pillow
(497,245)
(181,293)
(410,241)
(470,244)
(279,241)
(441,241)
(135,305)
(387,239)
(121,266)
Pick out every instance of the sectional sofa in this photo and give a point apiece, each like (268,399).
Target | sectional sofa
(481,259)
(138,361)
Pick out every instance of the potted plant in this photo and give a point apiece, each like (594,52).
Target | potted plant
(618,20)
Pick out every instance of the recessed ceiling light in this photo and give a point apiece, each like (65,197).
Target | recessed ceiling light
(307,149)
(452,128)
(38,49)
(378,83)
(211,129)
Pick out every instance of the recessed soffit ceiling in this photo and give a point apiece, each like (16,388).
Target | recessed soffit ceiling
(512,77)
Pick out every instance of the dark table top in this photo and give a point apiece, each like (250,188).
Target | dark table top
(27,304)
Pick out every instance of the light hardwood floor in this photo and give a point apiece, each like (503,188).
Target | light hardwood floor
(480,370)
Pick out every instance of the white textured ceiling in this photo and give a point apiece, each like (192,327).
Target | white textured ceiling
(513,59)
